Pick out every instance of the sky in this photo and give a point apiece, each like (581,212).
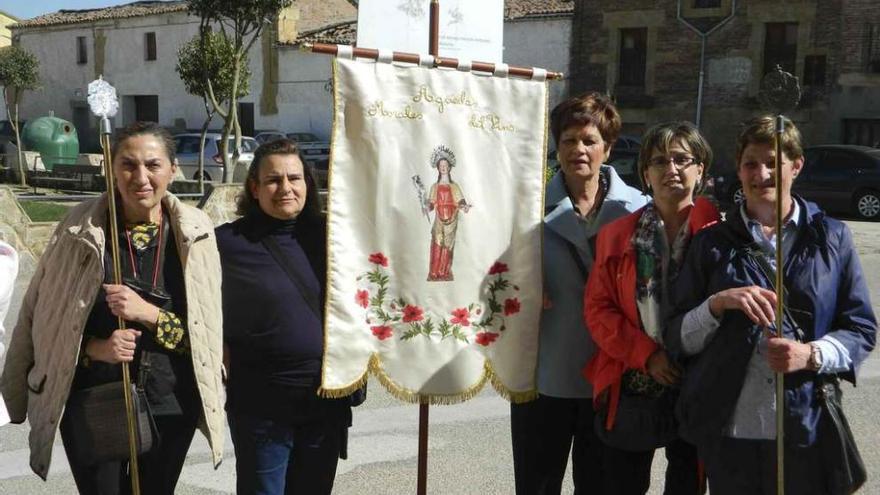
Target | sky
(25,9)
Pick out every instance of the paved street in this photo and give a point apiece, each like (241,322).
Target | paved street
(469,443)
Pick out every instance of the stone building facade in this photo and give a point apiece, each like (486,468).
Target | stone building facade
(643,54)
(134,46)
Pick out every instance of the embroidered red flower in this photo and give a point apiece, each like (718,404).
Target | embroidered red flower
(511,306)
(460,317)
(497,268)
(362,298)
(412,313)
(379,259)
(486,338)
(382,332)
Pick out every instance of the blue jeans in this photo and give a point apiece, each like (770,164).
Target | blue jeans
(274,458)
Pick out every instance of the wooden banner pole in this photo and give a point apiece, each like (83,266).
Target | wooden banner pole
(424,408)
(413,58)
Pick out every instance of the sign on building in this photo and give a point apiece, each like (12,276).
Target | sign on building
(470,30)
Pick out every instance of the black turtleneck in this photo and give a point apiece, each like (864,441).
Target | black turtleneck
(275,340)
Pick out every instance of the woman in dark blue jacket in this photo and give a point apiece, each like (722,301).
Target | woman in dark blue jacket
(287,438)
(723,319)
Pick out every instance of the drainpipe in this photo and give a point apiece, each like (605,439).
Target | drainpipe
(703,37)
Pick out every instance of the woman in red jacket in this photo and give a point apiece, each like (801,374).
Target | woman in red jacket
(637,259)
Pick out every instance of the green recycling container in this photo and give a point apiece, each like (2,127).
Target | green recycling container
(55,139)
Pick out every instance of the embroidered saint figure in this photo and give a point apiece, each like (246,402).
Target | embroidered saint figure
(446,200)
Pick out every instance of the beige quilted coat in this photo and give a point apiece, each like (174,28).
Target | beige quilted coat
(43,352)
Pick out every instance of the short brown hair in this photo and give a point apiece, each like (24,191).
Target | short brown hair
(663,135)
(589,108)
(247,204)
(762,130)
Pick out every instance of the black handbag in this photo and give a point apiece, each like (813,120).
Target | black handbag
(96,423)
(846,471)
(642,422)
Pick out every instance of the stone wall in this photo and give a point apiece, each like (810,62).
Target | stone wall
(734,63)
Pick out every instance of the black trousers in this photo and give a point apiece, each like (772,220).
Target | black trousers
(546,430)
(629,473)
(749,466)
(158,469)
(543,433)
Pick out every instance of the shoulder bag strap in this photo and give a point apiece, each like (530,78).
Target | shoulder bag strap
(295,277)
(757,256)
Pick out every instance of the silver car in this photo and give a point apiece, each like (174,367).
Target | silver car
(188,155)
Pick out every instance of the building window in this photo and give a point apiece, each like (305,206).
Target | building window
(633,57)
(150,46)
(865,132)
(814,70)
(872,49)
(82,56)
(780,46)
(707,4)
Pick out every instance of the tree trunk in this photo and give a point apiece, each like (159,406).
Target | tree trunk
(22,166)
(232,124)
(204,136)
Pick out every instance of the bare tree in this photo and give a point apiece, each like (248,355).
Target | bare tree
(19,72)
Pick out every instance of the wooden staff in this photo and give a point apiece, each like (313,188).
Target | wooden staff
(102,99)
(779,92)
(117,279)
(424,408)
(780,307)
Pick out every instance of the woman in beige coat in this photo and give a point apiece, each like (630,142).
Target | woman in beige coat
(66,338)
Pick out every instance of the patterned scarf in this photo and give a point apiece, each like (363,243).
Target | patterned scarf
(649,242)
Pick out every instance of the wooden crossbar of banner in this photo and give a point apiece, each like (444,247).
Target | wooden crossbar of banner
(414,58)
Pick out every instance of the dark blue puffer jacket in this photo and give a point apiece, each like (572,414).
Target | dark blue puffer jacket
(827,295)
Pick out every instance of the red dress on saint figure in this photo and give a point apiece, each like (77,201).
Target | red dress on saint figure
(446,208)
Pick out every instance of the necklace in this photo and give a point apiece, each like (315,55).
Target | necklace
(155,258)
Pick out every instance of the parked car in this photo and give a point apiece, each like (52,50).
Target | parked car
(264,137)
(840,178)
(313,150)
(627,142)
(188,155)
(624,161)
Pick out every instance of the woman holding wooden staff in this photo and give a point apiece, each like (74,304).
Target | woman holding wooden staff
(723,321)
(68,344)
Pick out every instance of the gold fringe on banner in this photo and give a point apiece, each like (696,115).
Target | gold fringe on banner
(414,397)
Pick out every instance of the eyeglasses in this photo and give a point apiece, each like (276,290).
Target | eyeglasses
(679,161)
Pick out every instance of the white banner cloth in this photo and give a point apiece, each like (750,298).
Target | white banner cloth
(435,209)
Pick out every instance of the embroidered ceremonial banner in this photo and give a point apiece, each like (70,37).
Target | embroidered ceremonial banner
(435,209)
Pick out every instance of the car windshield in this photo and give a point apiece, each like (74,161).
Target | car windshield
(302,137)
(248,145)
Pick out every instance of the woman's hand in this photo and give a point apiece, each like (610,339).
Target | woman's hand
(756,302)
(128,305)
(117,349)
(786,355)
(661,369)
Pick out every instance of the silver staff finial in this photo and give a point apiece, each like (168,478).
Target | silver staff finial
(103,102)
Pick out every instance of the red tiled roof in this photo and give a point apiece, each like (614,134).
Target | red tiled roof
(345,33)
(134,9)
